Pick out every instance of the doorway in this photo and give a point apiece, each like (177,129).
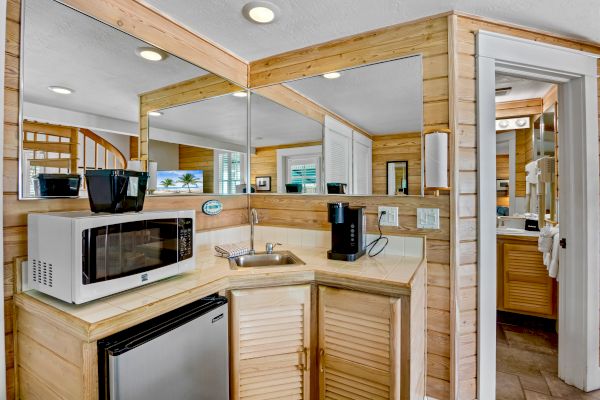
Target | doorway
(574,73)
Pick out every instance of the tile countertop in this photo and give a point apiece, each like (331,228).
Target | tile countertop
(385,274)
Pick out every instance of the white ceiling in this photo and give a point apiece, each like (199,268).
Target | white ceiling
(382,98)
(307,22)
(521,88)
(66,48)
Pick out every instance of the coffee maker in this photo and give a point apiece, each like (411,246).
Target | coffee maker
(348,232)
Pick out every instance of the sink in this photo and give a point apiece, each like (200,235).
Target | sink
(275,259)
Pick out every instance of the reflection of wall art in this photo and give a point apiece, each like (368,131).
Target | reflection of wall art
(181,181)
(263,183)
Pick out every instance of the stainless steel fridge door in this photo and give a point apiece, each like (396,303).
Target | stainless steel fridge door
(189,362)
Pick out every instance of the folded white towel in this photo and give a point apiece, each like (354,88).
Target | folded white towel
(232,250)
(545,238)
(553,265)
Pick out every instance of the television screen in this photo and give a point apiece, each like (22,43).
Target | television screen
(180,181)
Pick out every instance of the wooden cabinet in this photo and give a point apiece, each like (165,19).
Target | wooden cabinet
(523,282)
(359,345)
(270,332)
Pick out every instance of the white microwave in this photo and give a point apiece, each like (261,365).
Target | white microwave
(80,256)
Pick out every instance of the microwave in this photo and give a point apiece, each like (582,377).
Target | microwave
(80,256)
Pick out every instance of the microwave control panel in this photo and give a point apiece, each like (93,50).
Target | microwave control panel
(186,238)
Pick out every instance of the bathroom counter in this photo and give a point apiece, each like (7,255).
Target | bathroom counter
(385,274)
(517,233)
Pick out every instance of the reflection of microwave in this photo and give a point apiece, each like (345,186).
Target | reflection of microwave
(80,256)
(502,185)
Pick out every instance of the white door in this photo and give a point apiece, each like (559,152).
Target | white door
(338,153)
(362,150)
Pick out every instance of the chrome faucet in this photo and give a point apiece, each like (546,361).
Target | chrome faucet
(253,220)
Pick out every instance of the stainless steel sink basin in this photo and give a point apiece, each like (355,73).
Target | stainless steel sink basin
(277,258)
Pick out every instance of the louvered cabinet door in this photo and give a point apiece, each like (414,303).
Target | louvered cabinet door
(527,286)
(359,339)
(270,343)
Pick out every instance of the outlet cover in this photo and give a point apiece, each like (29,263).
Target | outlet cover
(428,218)
(391,216)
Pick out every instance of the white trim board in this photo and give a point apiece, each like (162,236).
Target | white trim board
(579,305)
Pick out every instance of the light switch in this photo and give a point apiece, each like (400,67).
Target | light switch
(391,216)
(428,218)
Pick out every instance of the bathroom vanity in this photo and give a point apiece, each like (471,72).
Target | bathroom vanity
(524,285)
(295,331)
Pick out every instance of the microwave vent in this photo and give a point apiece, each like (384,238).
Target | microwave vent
(42,272)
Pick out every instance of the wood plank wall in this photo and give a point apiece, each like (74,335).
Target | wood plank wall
(524,155)
(502,172)
(193,158)
(134,147)
(466,114)
(15,212)
(428,37)
(264,162)
(397,147)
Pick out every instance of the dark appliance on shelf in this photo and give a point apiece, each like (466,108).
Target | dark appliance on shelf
(336,188)
(348,231)
(57,185)
(116,190)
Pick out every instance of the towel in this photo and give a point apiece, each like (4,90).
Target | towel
(548,244)
(232,250)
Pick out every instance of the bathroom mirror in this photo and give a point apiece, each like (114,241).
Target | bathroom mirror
(286,146)
(80,101)
(397,178)
(371,115)
(199,147)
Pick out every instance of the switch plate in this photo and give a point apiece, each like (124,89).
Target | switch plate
(428,218)
(391,216)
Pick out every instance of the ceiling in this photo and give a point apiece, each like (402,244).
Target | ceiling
(308,22)
(382,98)
(63,47)
(521,88)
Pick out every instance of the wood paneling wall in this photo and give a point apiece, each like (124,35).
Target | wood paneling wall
(264,162)
(428,37)
(134,147)
(193,158)
(524,155)
(502,172)
(466,113)
(518,108)
(145,25)
(398,147)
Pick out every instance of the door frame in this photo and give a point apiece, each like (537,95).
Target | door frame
(579,304)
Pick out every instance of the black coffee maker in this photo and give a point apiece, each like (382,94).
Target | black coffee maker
(348,232)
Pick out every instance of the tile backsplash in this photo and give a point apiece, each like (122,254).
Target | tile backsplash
(410,246)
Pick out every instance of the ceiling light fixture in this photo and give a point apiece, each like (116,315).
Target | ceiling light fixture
(151,53)
(240,94)
(260,12)
(60,89)
(155,113)
(332,75)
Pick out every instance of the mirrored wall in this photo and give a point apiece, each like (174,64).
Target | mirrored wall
(354,131)
(84,87)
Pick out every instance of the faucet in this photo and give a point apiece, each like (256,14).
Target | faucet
(253,220)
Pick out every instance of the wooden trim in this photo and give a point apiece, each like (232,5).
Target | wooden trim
(147,24)
(519,108)
(550,98)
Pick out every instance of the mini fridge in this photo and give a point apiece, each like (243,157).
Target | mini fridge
(180,355)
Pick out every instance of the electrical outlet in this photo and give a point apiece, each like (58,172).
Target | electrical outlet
(391,216)
(428,218)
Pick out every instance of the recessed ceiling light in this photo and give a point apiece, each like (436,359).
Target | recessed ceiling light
(332,75)
(151,53)
(240,94)
(60,89)
(155,113)
(260,12)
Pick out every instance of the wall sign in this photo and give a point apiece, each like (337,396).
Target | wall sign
(212,207)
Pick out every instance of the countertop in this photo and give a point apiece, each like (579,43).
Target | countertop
(385,274)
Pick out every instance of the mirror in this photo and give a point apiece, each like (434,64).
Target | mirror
(82,83)
(397,178)
(200,147)
(370,116)
(286,148)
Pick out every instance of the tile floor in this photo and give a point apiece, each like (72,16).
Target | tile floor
(527,358)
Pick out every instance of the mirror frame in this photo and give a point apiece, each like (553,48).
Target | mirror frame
(387,175)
